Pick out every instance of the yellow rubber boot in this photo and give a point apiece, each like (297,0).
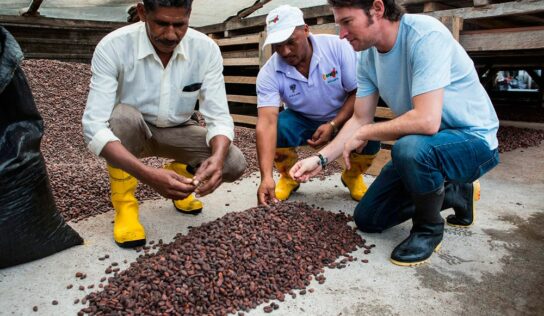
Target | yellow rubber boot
(127,230)
(353,178)
(284,160)
(189,205)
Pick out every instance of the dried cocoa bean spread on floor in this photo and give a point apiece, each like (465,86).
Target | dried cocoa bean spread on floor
(233,263)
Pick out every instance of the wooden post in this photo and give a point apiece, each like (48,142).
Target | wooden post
(33,8)
(264,54)
(454,24)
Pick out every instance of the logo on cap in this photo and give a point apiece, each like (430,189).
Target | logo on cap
(274,20)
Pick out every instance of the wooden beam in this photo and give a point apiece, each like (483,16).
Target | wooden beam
(249,10)
(33,8)
(259,21)
(524,7)
(239,40)
(503,39)
(244,119)
(241,61)
(240,79)
(249,99)
(329,28)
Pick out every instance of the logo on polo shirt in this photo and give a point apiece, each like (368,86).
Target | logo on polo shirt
(331,76)
(294,92)
(274,20)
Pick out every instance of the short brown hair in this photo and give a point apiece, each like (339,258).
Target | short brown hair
(393,11)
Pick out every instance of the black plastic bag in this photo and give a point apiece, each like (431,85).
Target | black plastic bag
(30,224)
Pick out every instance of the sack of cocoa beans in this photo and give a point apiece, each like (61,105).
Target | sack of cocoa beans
(30,224)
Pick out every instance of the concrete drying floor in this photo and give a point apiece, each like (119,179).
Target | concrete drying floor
(495,267)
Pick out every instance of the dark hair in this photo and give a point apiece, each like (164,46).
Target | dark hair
(393,11)
(151,5)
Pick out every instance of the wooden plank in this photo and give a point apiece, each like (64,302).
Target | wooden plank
(59,56)
(259,21)
(45,22)
(33,8)
(244,119)
(503,39)
(249,99)
(329,28)
(525,7)
(383,112)
(241,61)
(239,40)
(250,53)
(240,79)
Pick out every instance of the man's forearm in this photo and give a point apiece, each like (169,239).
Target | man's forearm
(219,146)
(266,148)
(336,147)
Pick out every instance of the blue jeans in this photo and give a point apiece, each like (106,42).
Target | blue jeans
(294,130)
(421,164)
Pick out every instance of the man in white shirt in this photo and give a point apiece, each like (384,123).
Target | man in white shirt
(146,80)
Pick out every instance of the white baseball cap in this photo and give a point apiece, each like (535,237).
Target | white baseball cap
(281,22)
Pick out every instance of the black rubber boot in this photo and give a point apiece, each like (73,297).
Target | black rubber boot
(427,231)
(461,197)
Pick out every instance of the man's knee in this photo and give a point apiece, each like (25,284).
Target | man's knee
(125,119)
(411,151)
(235,165)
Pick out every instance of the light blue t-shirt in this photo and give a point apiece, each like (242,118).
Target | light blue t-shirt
(426,57)
(320,96)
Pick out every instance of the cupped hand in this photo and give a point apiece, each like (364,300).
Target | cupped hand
(208,176)
(266,193)
(169,184)
(304,169)
(321,136)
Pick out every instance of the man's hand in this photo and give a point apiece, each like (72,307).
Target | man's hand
(355,143)
(304,169)
(169,184)
(322,135)
(266,193)
(208,176)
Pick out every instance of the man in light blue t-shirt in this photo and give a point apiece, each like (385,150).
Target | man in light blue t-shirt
(445,124)
(314,76)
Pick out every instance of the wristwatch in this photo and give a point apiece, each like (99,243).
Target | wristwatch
(334,127)
(323,161)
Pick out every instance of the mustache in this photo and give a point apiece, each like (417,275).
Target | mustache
(167,42)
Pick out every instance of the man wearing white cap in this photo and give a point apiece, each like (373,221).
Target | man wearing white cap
(314,76)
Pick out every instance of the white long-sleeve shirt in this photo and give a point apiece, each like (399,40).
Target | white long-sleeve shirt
(126,69)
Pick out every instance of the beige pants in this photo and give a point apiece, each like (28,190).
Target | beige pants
(185,143)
